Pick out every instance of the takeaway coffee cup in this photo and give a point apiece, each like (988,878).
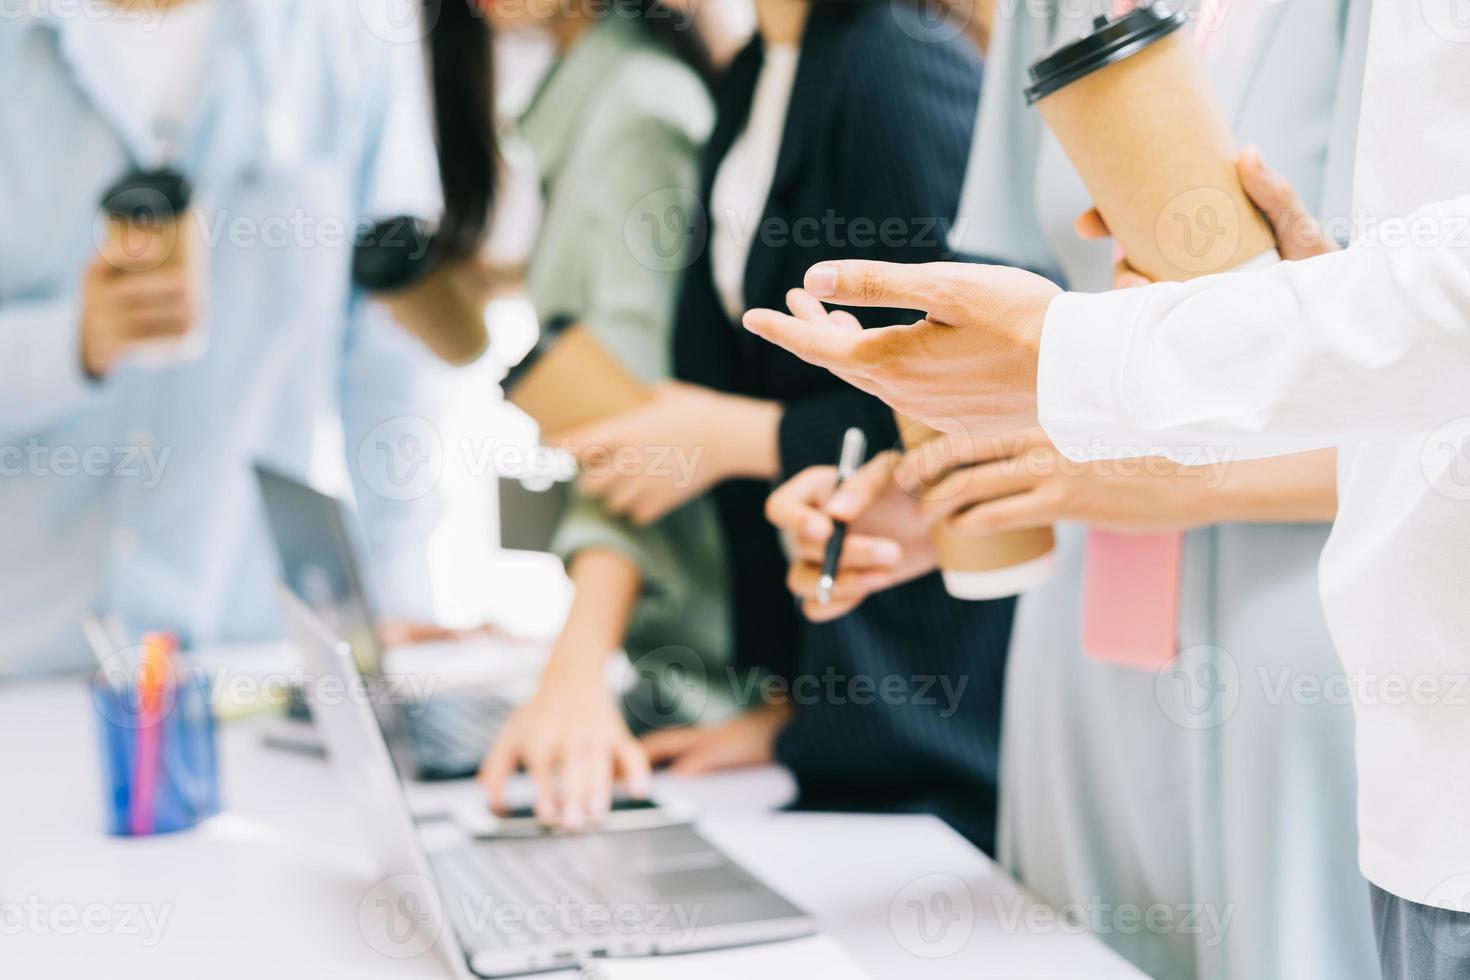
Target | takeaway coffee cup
(1132,107)
(398,262)
(569,380)
(988,566)
(146,216)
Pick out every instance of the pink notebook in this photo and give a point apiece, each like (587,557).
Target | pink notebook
(1130,598)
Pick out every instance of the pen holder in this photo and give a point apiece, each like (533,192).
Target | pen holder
(159,760)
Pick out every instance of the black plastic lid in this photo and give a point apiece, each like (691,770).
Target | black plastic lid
(1110,41)
(147,196)
(551,332)
(393,254)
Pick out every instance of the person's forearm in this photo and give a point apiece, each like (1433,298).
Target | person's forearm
(752,440)
(607,585)
(1356,345)
(1298,489)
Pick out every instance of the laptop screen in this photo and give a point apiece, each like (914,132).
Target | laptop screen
(319,562)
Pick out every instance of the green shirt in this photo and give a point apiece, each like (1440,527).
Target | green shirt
(616,131)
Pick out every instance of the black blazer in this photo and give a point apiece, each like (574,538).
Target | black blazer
(875,147)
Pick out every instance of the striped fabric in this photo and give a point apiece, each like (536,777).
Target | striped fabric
(878,129)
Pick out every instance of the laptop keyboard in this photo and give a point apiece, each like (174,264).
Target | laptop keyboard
(450,735)
(547,875)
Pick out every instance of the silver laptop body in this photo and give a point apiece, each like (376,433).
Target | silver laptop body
(511,905)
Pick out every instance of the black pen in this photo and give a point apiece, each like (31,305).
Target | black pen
(854,448)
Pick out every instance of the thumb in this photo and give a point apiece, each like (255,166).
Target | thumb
(863,488)
(934,287)
(798,499)
(1298,233)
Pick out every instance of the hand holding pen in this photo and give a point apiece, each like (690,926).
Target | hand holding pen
(854,449)
(886,543)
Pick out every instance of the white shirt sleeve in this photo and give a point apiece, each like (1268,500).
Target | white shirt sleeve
(1366,343)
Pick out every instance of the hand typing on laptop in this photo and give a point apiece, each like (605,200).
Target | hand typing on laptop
(574,745)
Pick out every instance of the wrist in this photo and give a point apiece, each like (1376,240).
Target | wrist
(753,437)
(1032,329)
(575,665)
(1190,499)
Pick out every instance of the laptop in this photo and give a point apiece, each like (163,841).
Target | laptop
(435,733)
(506,905)
(530,511)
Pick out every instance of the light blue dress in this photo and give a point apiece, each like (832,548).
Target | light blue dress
(1210,791)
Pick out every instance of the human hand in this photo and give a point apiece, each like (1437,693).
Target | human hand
(748,739)
(1299,235)
(648,461)
(888,542)
(574,744)
(970,363)
(129,298)
(1023,481)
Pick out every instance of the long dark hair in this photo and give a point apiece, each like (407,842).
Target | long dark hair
(461,73)
(662,23)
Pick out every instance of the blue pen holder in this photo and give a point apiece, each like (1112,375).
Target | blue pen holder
(181,740)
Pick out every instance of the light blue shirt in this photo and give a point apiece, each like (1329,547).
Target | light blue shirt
(134,495)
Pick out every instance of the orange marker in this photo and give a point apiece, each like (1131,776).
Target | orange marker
(153,680)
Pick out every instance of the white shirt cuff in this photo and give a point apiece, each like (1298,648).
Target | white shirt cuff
(1079,376)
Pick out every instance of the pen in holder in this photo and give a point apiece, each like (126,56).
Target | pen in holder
(158,745)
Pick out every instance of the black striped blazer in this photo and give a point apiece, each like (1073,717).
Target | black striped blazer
(872,158)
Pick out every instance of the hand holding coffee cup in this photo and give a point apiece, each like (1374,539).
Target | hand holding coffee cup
(1132,107)
(442,302)
(980,562)
(127,307)
(1299,235)
(141,296)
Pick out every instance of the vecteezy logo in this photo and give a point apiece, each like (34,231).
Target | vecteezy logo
(1207,220)
(667,686)
(141,231)
(932,21)
(1450,19)
(1447,922)
(1199,230)
(399,21)
(933,916)
(667,230)
(128,670)
(1211,15)
(401,459)
(1445,459)
(401,916)
(1199,689)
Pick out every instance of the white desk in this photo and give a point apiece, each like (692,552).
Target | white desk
(271,888)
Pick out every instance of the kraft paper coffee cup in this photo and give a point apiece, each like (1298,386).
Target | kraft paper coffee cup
(570,380)
(1133,109)
(146,213)
(398,263)
(986,566)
